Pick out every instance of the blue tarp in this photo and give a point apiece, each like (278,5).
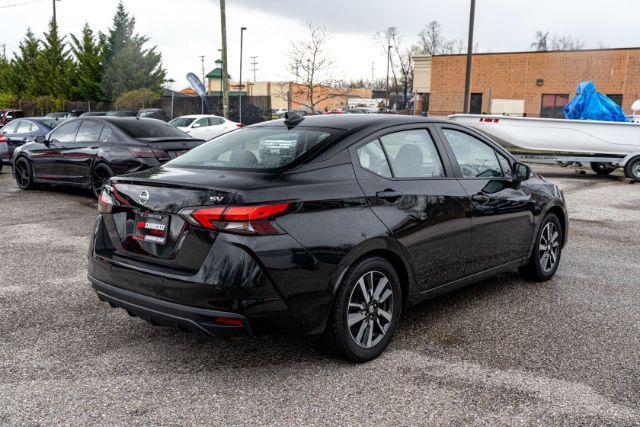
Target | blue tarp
(589,104)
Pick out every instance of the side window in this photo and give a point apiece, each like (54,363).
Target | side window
(106,135)
(413,154)
(66,132)
(11,127)
(476,159)
(372,158)
(201,122)
(24,127)
(213,121)
(89,131)
(504,163)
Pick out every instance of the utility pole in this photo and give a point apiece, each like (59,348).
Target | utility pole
(4,51)
(225,83)
(205,89)
(242,30)
(253,65)
(388,62)
(55,21)
(467,81)
(373,64)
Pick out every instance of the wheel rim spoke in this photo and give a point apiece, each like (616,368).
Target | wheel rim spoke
(370,309)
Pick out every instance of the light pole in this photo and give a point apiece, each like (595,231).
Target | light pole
(388,62)
(242,30)
(225,83)
(467,80)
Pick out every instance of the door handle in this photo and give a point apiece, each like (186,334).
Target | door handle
(390,195)
(480,198)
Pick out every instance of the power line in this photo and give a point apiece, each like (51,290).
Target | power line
(20,4)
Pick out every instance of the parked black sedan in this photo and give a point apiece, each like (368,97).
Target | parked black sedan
(20,131)
(87,151)
(321,225)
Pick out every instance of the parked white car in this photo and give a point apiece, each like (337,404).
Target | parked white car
(204,126)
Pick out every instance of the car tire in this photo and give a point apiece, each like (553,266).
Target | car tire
(23,173)
(632,169)
(100,175)
(602,168)
(366,311)
(545,258)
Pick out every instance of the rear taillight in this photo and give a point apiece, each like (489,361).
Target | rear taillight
(105,202)
(250,219)
(239,125)
(3,138)
(148,152)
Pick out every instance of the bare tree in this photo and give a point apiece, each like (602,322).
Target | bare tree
(545,41)
(566,42)
(400,59)
(541,41)
(310,64)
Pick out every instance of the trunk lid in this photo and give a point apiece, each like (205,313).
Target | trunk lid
(173,147)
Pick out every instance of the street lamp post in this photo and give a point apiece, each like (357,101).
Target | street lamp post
(388,62)
(242,30)
(467,80)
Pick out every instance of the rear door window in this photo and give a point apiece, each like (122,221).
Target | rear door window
(372,158)
(25,126)
(89,131)
(11,127)
(213,121)
(413,154)
(201,123)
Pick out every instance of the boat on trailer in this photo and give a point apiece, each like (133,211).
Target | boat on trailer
(607,146)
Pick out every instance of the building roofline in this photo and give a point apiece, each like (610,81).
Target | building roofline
(536,51)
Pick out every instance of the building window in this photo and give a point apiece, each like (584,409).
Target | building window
(475,106)
(552,105)
(617,98)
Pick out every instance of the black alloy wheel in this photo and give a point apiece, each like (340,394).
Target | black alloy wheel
(99,177)
(547,250)
(366,311)
(23,173)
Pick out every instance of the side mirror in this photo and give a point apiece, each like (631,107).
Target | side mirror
(40,139)
(521,172)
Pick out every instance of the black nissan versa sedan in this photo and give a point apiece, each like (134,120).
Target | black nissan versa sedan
(87,151)
(321,225)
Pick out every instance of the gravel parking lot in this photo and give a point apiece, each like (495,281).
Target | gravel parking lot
(503,352)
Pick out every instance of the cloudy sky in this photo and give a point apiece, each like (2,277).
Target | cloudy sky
(186,29)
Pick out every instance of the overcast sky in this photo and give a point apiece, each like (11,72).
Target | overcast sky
(186,29)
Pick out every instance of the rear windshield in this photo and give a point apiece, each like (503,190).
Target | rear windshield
(50,123)
(253,148)
(149,128)
(181,122)
(122,113)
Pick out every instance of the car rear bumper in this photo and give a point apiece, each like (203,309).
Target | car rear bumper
(159,312)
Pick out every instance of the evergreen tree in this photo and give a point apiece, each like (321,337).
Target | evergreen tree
(129,65)
(54,65)
(89,53)
(23,80)
(5,75)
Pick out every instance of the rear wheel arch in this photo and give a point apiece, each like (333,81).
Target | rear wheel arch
(394,257)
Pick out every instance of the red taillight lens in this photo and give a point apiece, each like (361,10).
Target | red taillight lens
(148,152)
(252,219)
(3,138)
(229,321)
(239,125)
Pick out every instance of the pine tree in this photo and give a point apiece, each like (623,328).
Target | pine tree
(129,65)
(89,53)
(23,79)
(54,65)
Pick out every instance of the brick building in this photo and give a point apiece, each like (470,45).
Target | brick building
(524,83)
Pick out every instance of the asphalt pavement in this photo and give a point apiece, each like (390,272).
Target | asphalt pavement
(502,352)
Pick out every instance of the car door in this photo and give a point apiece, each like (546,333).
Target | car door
(80,154)
(12,136)
(200,128)
(501,209)
(410,186)
(48,158)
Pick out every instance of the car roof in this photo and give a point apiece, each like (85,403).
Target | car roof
(353,121)
(196,116)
